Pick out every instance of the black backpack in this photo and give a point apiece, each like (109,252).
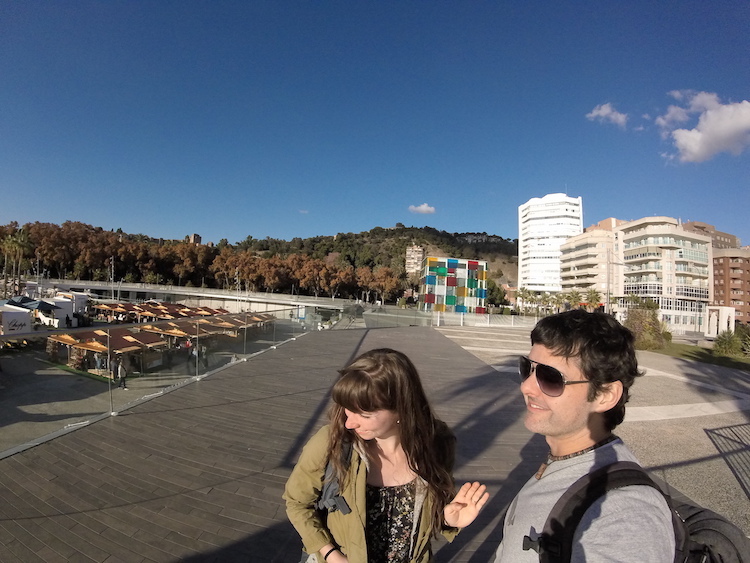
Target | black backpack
(331,499)
(701,536)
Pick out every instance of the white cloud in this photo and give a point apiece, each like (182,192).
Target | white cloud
(725,128)
(678,94)
(424,208)
(606,113)
(674,115)
(720,127)
(704,101)
(304,211)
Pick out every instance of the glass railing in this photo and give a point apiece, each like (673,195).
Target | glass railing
(53,382)
(392,316)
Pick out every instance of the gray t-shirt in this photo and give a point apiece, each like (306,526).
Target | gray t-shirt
(632,524)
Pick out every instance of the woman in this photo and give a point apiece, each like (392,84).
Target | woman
(397,478)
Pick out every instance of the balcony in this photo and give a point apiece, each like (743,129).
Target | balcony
(642,256)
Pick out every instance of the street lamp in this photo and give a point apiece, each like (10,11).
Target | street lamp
(608,306)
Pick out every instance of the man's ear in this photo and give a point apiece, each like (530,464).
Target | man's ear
(608,396)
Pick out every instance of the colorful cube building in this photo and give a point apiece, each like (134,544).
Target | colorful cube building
(453,285)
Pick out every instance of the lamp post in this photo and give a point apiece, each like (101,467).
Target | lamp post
(608,307)
(112,275)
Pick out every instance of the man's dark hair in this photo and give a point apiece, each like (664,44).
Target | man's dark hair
(605,350)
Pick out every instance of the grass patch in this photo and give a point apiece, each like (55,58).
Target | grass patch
(69,369)
(698,354)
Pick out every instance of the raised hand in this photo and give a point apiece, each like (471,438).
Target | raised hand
(465,506)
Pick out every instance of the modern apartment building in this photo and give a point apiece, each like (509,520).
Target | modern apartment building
(668,264)
(587,261)
(414,259)
(731,269)
(453,285)
(544,225)
(591,261)
(718,239)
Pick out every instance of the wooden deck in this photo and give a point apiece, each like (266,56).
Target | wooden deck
(198,474)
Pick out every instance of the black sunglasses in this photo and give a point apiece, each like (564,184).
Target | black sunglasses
(551,380)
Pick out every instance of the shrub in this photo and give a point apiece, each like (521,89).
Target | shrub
(742,330)
(746,346)
(727,343)
(644,324)
(666,333)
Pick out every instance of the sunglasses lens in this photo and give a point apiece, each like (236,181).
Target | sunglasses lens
(550,380)
(524,368)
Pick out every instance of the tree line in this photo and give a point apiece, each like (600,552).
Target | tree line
(555,302)
(369,264)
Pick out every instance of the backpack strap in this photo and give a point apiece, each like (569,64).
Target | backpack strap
(330,497)
(555,544)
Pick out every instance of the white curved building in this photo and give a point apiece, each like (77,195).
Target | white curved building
(544,225)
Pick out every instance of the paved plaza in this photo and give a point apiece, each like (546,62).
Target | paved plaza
(197,474)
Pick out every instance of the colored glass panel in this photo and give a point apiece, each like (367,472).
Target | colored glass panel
(450,299)
(430,280)
(429,298)
(481,311)
(442,271)
(460,309)
(462,291)
(440,308)
(452,282)
(472,265)
(471,283)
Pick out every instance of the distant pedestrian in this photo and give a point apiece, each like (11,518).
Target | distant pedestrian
(122,374)
(204,356)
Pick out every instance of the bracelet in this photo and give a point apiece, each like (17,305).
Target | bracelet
(329,552)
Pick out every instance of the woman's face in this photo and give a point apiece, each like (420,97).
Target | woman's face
(372,425)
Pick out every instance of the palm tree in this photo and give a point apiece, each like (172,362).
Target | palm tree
(574,298)
(558,301)
(523,295)
(8,250)
(16,247)
(593,298)
(545,301)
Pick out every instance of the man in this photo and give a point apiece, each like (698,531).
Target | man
(575,382)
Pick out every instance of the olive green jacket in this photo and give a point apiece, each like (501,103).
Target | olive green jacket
(346,531)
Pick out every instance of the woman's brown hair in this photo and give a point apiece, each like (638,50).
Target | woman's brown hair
(386,379)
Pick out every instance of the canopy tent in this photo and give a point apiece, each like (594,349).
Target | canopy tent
(118,341)
(43,306)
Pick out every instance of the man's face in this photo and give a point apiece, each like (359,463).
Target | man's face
(564,420)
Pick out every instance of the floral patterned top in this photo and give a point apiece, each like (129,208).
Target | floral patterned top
(390,518)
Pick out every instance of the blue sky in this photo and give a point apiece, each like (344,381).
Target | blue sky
(295,119)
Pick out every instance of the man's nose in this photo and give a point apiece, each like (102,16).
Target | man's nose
(529,384)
